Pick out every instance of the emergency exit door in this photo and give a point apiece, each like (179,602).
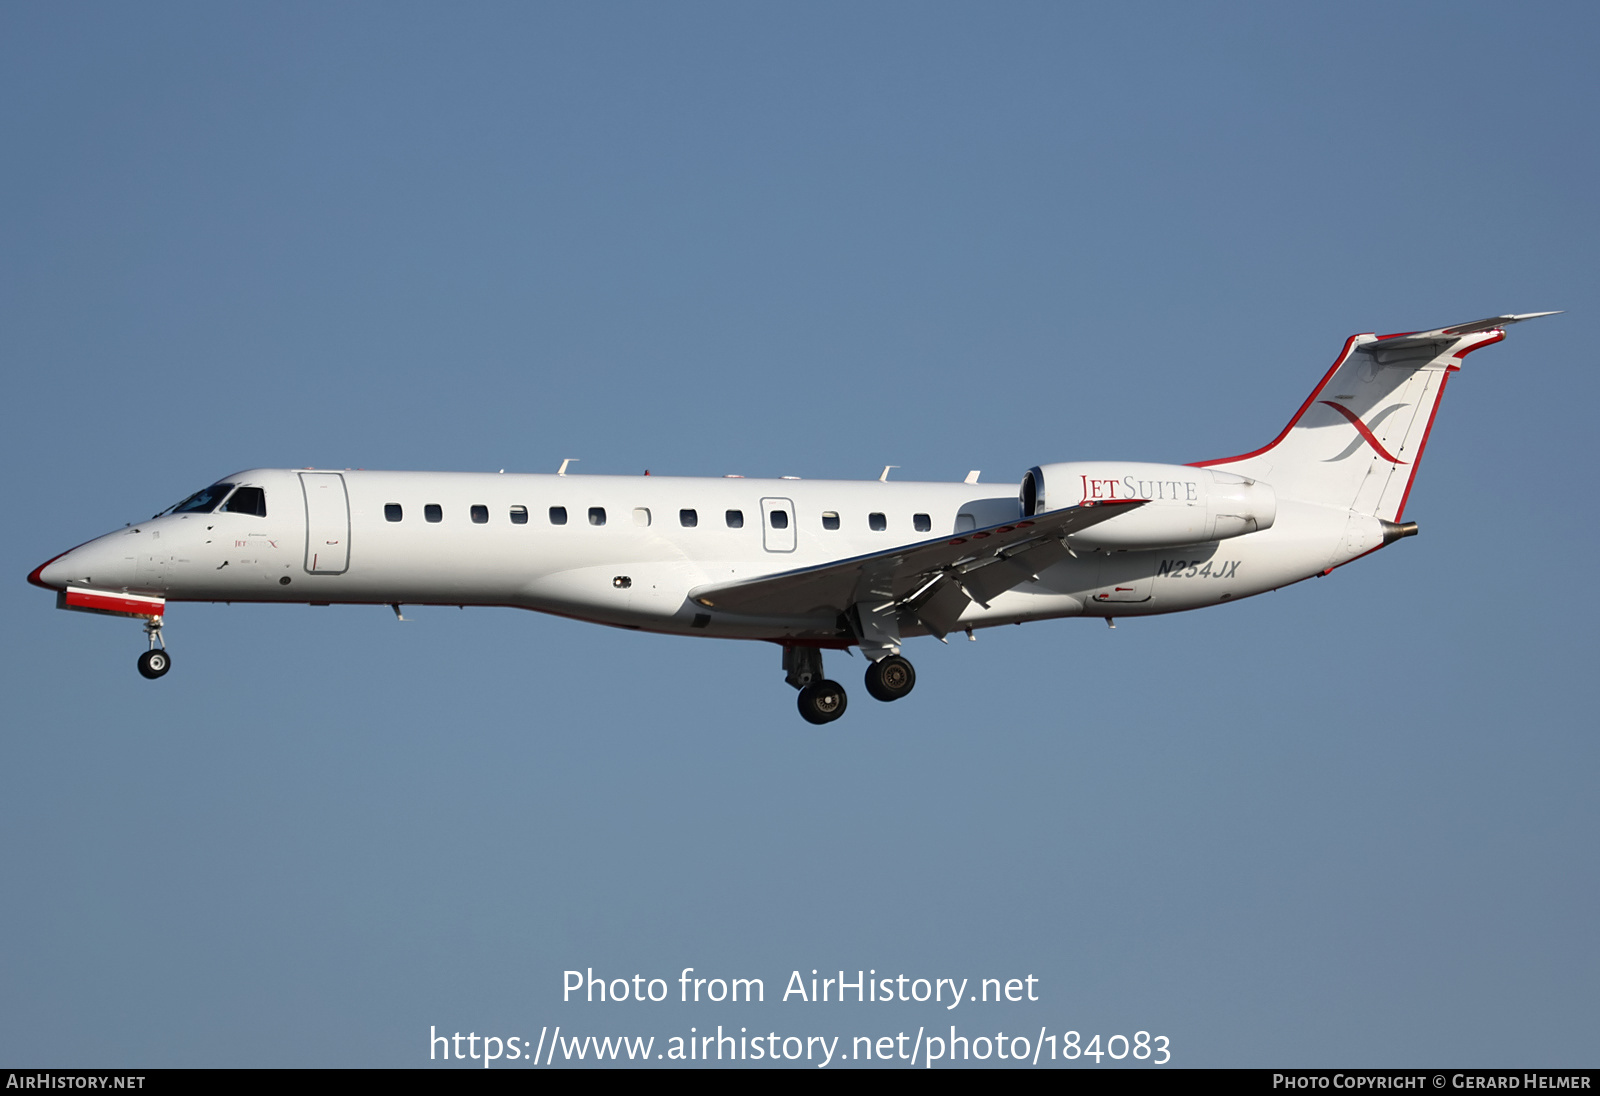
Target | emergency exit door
(777,525)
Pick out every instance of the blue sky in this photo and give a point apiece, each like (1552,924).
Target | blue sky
(1351,822)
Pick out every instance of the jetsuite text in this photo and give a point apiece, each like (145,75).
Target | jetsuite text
(1130,488)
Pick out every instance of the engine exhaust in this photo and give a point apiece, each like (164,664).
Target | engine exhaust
(1393,532)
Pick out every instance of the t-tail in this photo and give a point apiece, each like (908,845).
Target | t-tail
(1357,440)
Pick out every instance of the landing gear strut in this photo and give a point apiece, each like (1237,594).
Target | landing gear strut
(890,678)
(154,662)
(821,700)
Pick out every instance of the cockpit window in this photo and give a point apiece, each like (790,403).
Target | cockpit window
(247,500)
(201,502)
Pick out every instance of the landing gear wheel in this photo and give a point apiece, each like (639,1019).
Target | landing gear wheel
(152,664)
(890,678)
(822,702)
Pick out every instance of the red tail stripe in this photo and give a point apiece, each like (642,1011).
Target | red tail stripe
(1349,344)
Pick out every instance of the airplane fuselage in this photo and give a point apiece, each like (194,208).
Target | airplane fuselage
(631,550)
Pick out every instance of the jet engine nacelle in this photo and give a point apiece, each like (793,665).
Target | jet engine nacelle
(1185,505)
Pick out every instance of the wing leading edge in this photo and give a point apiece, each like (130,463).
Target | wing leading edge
(931,582)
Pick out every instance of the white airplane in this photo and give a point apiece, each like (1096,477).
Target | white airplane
(810,565)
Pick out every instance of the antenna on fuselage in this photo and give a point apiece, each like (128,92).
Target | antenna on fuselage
(563,469)
(972,476)
(885,477)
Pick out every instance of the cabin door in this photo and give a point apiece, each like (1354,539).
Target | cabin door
(327,523)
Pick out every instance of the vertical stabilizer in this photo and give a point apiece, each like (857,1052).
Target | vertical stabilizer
(1357,440)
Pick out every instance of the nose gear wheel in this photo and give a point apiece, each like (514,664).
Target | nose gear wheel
(154,662)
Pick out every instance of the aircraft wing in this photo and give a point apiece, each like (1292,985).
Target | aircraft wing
(931,581)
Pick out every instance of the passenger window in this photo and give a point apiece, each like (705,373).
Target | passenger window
(597,515)
(735,519)
(641,516)
(688,519)
(922,523)
(966,523)
(558,515)
(877,522)
(519,515)
(392,512)
(480,515)
(247,500)
(830,519)
(779,519)
(433,512)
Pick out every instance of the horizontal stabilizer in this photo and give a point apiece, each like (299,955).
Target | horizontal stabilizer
(1447,334)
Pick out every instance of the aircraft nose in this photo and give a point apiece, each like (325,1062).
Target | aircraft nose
(51,574)
(82,564)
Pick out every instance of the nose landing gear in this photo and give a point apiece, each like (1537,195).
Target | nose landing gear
(154,662)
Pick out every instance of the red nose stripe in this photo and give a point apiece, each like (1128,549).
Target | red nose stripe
(33,575)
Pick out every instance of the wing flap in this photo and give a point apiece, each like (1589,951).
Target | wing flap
(919,577)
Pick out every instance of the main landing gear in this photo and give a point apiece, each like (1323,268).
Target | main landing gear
(890,678)
(154,662)
(823,701)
